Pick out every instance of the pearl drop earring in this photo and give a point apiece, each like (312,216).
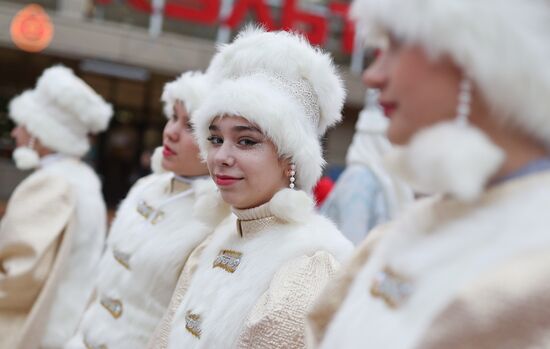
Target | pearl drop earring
(464,101)
(292,176)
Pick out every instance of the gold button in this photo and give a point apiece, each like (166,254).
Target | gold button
(113,306)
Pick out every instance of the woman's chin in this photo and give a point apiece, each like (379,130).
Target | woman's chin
(168,165)
(397,136)
(231,198)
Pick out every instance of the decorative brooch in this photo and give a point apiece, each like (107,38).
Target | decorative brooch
(113,306)
(193,324)
(228,260)
(145,210)
(148,211)
(391,287)
(122,258)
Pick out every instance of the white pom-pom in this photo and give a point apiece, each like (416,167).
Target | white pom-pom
(26,158)
(447,158)
(292,205)
(156,161)
(209,206)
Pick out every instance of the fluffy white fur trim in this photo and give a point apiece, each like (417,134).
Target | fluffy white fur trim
(447,158)
(189,88)
(512,74)
(288,55)
(61,111)
(25,158)
(209,206)
(156,161)
(293,206)
(264,103)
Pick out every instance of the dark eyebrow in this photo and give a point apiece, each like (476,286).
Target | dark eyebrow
(238,128)
(247,128)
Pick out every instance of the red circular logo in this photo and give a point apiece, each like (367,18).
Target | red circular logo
(31,29)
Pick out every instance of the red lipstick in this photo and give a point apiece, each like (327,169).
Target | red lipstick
(167,151)
(224,181)
(388,108)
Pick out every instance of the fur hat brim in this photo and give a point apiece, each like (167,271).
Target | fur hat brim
(190,88)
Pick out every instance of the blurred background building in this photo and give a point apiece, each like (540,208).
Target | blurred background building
(128,49)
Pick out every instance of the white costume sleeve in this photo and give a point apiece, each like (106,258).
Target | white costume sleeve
(37,214)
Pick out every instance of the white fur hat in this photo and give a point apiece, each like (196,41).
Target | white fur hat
(502,45)
(278,81)
(61,111)
(189,88)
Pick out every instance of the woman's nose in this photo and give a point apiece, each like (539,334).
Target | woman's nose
(375,76)
(224,155)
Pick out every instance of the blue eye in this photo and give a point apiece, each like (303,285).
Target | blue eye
(215,140)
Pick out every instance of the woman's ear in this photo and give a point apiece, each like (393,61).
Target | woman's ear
(285,166)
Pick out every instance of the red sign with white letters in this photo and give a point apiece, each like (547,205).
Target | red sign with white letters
(312,25)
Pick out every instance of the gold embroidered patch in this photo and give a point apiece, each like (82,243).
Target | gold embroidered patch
(145,210)
(228,260)
(193,324)
(148,211)
(113,306)
(122,258)
(253,226)
(391,287)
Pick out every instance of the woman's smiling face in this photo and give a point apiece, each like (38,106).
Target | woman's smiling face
(244,162)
